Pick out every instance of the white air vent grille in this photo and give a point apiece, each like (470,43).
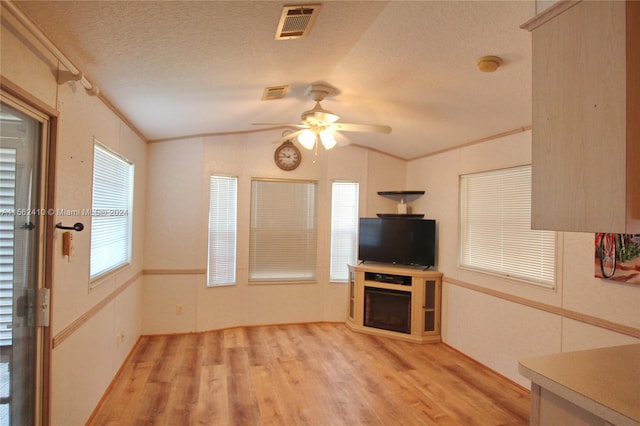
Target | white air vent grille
(296,21)
(274,92)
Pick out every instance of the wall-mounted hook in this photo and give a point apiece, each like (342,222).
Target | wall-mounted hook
(76,227)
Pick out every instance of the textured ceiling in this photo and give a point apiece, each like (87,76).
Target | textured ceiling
(199,67)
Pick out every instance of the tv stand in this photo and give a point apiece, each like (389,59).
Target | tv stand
(395,301)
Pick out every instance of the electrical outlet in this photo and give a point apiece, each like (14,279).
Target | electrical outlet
(179,309)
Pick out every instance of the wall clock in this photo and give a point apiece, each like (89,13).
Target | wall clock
(287,156)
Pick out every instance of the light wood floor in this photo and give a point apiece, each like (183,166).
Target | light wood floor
(308,374)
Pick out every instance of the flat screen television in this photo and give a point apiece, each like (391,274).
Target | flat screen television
(397,240)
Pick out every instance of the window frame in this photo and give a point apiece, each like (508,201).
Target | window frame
(231,269)
(353,232)
(98,277)
(255,270)
(548,240)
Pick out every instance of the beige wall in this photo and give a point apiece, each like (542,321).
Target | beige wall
(84,322)
(497,332)
(176,230)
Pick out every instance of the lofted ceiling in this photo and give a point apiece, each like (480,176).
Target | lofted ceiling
(181,68)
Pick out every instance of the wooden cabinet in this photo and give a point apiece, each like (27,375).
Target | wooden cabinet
(414,297)
(352,294)
(586,117)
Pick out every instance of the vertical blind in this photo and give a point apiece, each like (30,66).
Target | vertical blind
(110,211)
(344,228)
(495,227)
(221,269)
(283,231)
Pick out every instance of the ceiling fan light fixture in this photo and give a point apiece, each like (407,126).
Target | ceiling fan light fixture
(319,116)
(328,139)
(307,139)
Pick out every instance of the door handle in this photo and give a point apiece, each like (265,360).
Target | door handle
(28,226)
(76,226)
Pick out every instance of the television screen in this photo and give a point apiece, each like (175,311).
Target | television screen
(397,240)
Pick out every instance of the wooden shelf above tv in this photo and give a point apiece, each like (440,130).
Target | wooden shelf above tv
(400,215)
(402,196)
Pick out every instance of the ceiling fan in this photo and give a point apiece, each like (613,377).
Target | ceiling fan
(319,124)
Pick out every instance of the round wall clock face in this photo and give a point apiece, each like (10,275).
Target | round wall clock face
(287,156)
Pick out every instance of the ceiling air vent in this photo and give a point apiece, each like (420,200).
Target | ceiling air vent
(296,21)
(274,92)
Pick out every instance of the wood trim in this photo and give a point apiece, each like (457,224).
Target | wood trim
(82,319)
(48,266)
(174,271)
(548,14)
(18,92)
(475,142)
(565,313)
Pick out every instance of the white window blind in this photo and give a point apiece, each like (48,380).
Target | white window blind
(110,211)
(7,241)
(283,234)
(495,227)
(344,228)
(221,269)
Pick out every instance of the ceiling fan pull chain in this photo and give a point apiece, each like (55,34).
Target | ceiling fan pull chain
(315,148)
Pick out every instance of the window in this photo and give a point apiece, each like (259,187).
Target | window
(221,268)
(283,231)
(344,228)
(495,227)
(110,211)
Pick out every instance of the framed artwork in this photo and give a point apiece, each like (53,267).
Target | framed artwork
(617,257)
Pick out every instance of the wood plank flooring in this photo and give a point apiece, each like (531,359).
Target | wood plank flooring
(307,374)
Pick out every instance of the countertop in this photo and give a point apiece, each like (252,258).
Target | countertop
(604,381)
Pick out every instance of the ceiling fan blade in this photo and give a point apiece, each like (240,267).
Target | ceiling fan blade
(369,128)
(341,140)
(290,136)
(297,125)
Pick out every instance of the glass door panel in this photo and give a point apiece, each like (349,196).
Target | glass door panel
(21,227)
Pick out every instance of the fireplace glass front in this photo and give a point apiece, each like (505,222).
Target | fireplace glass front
(387,309)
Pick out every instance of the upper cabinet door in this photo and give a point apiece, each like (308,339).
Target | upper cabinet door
(586,120)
